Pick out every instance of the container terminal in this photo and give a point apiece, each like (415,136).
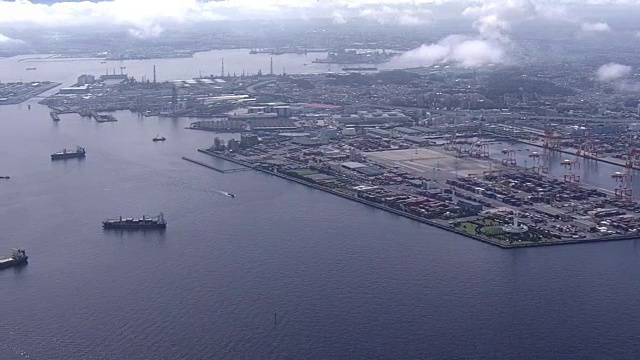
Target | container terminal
(493,200)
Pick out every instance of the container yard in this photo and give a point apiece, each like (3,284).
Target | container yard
(485,198)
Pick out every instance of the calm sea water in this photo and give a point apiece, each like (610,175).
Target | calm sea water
(346,281)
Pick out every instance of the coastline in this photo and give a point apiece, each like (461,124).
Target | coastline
(436,224)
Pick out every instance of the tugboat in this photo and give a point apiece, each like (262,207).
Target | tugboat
(136,224)
(18,257)
(159,138)
(66,154)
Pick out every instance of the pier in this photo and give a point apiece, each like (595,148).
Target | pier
(224,171)
(104,118)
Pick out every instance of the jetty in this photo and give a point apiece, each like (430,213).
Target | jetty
(215,168)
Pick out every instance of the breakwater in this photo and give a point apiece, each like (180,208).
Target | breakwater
(215,168)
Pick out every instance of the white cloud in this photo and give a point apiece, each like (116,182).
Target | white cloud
(147,17)
(613,71)
(5,40)
(458,50)
(493,18)
(596,27)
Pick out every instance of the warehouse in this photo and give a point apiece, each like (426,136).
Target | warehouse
(417,140)
(407,131)
(369,171)
(379,132)
(352,165)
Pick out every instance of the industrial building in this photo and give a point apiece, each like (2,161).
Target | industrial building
(86,80)
(369,171)
(470,205)
(407,131)
(417,140)
(380,133)
(82,89)
(352,165)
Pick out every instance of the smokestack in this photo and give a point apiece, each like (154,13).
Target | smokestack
(154,74)
(271,67)
(222,73)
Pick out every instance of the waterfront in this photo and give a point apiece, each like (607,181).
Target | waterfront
(208,63)
(347,281)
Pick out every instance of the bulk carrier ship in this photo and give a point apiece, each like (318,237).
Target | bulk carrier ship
(143,223)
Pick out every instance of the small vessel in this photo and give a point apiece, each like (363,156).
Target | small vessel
(66,154)
(54,116)
(31,68)
(136,224)
(18,257)
(5,177)
(159,138)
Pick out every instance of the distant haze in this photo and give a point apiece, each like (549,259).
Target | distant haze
(487,41)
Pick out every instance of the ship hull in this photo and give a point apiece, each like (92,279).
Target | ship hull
(12,263)
(67,156)
(134,227)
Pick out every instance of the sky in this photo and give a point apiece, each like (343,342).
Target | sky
(148,16)
(486,42)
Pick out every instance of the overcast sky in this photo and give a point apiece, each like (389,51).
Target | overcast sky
(487,41)
(146,17)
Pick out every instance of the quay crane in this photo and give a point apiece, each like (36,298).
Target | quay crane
(570,165)
(624,184)
(587,149)
(480,148)
(624,179)
(510,159)
(452,144)
(540,164)
(551,139)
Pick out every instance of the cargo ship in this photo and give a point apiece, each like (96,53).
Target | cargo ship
(18,257)
(136,224)
(66,154)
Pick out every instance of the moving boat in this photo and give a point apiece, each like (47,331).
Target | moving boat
(159,138)
(18,257)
